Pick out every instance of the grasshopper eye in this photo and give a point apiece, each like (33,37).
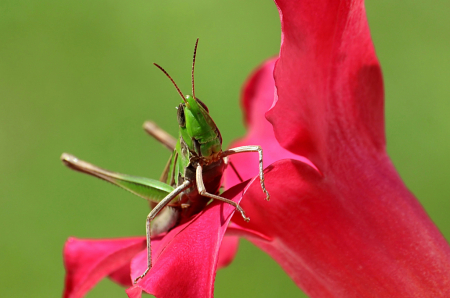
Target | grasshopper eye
(180,115)
(202,104)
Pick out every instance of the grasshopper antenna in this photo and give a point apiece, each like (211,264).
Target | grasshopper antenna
(193,64)
(173,82)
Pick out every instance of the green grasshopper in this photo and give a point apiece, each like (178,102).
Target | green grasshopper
(192,176)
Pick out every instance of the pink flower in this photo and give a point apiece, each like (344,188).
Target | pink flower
(340,222)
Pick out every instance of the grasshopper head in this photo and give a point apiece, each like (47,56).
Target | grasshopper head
(197,128)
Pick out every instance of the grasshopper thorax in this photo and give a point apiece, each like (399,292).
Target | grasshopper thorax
(198,131)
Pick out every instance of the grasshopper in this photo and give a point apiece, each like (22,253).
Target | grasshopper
(192,176)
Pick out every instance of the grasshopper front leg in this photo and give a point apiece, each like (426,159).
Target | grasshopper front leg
(152,215)
(202,191)
(244,149)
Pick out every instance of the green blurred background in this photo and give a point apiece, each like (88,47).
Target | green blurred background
(77,76)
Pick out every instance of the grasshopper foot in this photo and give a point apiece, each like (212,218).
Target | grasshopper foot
(141,277)
(263,186)
(246,219)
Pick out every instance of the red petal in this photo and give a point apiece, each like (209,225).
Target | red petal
(367,239)
(241,229)
(230,242)
(328,79)
(122,276)
(88,261)
(134,292)
(228,250)
(185,260)
(257,98)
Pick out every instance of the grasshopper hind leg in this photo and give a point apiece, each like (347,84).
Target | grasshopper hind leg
(160,135)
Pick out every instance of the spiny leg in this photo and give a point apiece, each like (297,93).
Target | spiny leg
(152,215)
(160,135)
(149,189)
(202,191)
(258,149)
